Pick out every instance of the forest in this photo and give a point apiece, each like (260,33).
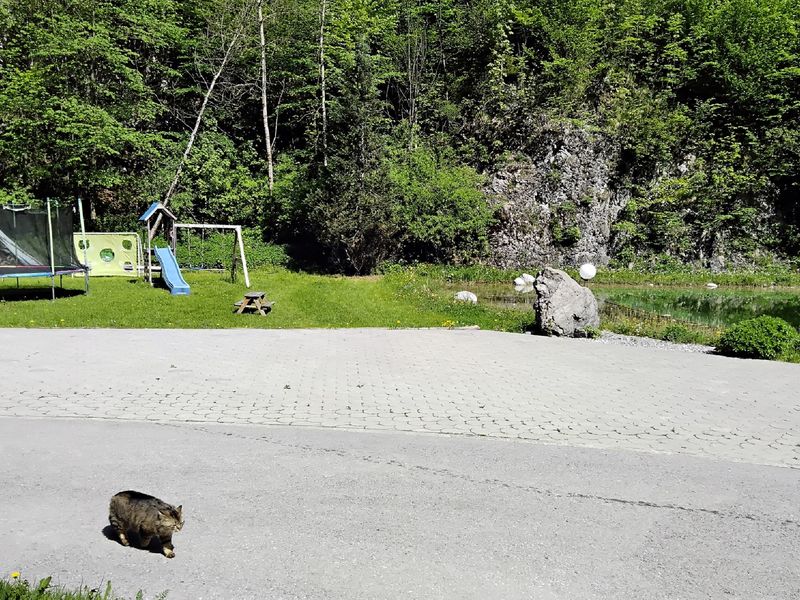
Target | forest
(359,132)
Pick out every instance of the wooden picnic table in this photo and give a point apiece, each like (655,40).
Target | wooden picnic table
(254,301)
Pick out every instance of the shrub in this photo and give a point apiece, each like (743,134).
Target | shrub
(677,333)
(214,249)
(763,337)
(439,209)
(592,333)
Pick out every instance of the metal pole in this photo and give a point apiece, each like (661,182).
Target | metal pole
(241,252)
(233,261)
(52,257)
(85,254)
(149,256)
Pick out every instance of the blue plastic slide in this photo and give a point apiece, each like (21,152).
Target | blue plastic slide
(171,273)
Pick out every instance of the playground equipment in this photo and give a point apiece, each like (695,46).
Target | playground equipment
(170,271)
(155,212)
(238,245)
(110,254)
(38,243)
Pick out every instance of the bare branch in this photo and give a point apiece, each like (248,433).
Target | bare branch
(198,121)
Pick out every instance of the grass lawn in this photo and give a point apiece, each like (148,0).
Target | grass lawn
(401,298)
(396,300)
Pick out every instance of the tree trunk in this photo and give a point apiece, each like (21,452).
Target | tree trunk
(322,82)
(264,112)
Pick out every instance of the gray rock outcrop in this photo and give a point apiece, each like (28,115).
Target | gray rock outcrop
(557,204)
(563,307)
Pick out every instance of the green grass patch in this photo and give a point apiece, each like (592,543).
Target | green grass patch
(766,278)
(17,588)
(453,273)
(773,275)
(396,300)
(433,290)
(662,329)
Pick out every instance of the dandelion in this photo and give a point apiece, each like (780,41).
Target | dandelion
(15,575)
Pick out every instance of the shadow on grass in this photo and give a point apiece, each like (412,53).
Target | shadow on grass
(43,293)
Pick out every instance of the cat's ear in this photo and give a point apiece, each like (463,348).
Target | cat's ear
(179,509)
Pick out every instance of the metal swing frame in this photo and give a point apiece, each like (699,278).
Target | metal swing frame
(238,244)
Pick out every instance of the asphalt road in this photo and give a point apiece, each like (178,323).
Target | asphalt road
(294,512)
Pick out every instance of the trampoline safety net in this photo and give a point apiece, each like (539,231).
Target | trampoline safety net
(25,246)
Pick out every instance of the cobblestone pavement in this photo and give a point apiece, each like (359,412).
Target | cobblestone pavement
(570,392)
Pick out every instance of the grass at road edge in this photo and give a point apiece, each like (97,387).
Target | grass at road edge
(16,588)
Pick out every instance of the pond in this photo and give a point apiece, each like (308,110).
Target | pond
(719,307)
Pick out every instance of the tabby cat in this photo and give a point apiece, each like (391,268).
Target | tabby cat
(144,518)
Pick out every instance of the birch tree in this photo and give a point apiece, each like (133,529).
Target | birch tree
(323,101)
(264,111)
(228,46)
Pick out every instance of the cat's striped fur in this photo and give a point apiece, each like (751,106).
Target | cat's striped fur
(142,518)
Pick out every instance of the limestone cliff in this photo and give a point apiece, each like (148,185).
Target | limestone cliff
(557,204)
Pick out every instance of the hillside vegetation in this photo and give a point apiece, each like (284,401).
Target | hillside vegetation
(388,119)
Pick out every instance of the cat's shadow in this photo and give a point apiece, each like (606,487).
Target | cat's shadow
(155,546)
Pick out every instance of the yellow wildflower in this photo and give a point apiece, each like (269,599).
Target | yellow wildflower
(15,575)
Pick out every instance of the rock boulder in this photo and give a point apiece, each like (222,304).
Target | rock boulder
(563,307)
(466,296)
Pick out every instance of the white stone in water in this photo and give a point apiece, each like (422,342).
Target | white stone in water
(711,285)
(524,283)
(465,296)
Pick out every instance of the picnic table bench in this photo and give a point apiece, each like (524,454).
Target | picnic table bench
(254,301)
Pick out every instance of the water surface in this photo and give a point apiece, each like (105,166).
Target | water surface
(720,307)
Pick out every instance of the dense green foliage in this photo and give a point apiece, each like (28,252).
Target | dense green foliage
(700,98)
(216,250)
(763,337)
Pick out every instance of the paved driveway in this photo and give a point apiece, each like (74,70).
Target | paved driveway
(296,513)
(570,392)
(642,473)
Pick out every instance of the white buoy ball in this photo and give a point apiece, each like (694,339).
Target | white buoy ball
(587,271)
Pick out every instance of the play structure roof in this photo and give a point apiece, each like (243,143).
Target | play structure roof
(153,209)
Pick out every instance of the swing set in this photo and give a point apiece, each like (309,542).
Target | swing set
(237,250)
(157,215)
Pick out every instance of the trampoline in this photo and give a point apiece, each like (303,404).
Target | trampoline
(37,243)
